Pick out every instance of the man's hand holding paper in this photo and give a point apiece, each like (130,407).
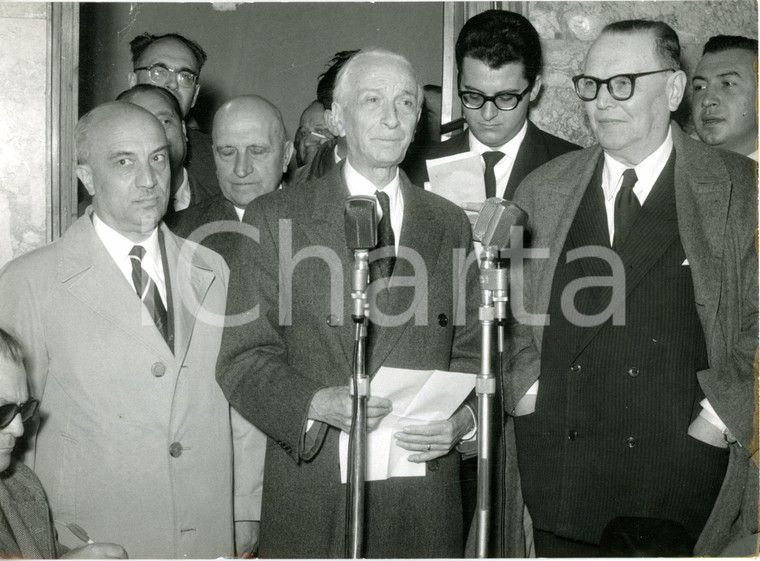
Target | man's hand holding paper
(424,407)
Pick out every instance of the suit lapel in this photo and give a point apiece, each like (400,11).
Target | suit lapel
(188,280)
(421,235)
(321,217)
(91,275)
(531,154)
(703,192)
(562,198)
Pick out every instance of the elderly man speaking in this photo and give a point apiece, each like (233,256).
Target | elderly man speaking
(633,405)
(287,368)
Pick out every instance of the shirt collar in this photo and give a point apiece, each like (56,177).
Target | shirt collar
(181,199)
(647,171)
(359,185)
(509,149)
(119,246)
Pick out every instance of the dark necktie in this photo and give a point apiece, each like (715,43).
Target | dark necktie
(148,291)
(491,159)
(382,268)
(627,206)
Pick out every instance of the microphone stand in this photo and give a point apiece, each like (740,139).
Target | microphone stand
(493,286)
(357,443)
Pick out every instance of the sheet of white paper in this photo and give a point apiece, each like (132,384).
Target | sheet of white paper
(458,178)
(418,397)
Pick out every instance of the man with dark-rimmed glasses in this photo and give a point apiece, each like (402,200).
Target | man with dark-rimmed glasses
(499,62)
(632,406)
(174,63)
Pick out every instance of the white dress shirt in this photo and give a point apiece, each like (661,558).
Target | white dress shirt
(360,185)
(118,247)
(647,172)
(503,168)
(181,199)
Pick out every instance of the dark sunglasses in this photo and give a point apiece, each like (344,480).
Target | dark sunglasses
(9,411)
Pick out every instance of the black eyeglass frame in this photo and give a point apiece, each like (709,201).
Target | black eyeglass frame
(150,68)
(599,83)
(492,98)
(26,409)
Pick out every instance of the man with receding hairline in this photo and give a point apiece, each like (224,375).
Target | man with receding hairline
(289,377)
(120,322)
(632,402)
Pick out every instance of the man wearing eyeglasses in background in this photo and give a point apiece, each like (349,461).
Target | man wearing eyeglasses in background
(174,62)
(498,56)
(632,404)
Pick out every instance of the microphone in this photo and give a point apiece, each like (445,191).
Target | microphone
(493,229)
(360,215)
(495,220)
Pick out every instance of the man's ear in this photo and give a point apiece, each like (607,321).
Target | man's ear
(132,79)
(195,95)
(84,173)
(536,88)
(287,155)
(676,87)
(334,119)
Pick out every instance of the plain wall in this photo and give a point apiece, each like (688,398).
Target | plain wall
(273,49)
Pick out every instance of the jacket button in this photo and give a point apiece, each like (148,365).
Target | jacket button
(633,371)
(443,321)
(331,320)
(631,442)
(572,435)
(575,368)
(433,465)
(175,449)
(158,369)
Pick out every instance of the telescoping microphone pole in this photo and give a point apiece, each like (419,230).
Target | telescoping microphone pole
(361,236)
(492,230)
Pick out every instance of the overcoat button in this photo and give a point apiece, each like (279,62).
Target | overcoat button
(631,442)
(158,369)
(575,368)
(443,321)
(175,449)
(633,371)
(572,435)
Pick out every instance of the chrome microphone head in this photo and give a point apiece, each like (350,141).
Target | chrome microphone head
(361,222)
(495,220)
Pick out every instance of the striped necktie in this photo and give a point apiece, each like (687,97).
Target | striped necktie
(148,291)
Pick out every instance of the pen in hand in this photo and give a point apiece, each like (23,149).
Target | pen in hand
(79,532)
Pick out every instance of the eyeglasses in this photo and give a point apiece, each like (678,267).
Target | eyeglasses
(159,73)
(620,86)
(504,101)
(9,411)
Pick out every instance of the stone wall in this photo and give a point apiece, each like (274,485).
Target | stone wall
(568,28)
(24,205)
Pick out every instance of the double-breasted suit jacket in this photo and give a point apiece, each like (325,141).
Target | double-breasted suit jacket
(295,285)
(135,443)
(715,200)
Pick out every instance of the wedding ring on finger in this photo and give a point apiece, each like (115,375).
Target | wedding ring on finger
(428,447)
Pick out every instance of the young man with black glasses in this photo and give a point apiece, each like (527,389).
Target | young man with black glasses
(498,56)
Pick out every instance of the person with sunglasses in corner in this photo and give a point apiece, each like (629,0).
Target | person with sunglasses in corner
(26,530)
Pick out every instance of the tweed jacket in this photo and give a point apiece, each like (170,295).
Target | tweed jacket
(26,510)
(135,442)
(716,199)
(299,339)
